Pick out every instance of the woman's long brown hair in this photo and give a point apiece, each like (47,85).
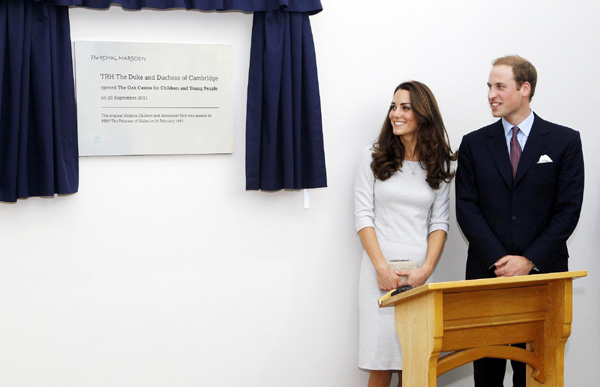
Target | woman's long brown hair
(433,145)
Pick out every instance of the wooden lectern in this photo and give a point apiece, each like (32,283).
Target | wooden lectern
(479,318)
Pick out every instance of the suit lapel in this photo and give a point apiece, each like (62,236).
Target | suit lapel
(533,147)
(496,144)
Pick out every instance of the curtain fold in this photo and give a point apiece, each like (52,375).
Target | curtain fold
(284,137)
(310,6)
(38,122)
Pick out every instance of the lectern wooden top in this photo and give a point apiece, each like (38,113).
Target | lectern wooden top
(482,284)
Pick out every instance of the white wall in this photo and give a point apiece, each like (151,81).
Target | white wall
(163,271)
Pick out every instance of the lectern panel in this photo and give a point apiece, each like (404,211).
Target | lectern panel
(500,302)
(455,340)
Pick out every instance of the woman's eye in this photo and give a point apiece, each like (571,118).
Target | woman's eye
(406,107)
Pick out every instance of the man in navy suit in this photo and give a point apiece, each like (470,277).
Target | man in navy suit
(519,189)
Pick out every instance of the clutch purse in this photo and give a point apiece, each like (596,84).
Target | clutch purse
(402,265)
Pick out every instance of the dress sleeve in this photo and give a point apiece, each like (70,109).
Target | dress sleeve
(364,195)
(439,214)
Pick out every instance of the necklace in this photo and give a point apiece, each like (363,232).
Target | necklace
(412,169)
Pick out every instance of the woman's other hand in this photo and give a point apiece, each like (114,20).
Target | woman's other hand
(387,279)
(415,277)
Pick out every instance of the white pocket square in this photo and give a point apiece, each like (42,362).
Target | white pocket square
(544,159)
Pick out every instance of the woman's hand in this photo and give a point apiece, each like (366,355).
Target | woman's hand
(387,279)
(416,277)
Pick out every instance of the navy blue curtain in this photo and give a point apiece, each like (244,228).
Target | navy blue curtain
(310,6)
(38,122)
(284,137)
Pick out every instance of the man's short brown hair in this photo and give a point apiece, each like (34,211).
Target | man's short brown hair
(523,71)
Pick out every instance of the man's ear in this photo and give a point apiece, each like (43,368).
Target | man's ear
(526,89)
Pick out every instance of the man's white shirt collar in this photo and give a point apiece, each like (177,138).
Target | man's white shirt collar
(524,126)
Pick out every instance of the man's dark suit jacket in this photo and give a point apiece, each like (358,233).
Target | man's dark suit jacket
(533,215)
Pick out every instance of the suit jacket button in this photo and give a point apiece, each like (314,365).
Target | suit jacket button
(513,217)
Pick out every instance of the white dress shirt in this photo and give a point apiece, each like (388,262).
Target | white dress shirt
(525,129)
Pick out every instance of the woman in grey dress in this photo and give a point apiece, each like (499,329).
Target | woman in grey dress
(401,213)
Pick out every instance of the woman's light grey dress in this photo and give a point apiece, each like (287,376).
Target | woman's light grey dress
(403,210)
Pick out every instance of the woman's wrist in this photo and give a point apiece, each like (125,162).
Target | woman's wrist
(381,266)
(427,268)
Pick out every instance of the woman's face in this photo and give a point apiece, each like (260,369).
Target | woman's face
(402,117)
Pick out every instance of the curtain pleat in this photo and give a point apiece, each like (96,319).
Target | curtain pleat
(38,122)
(309,6)
(284,137)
